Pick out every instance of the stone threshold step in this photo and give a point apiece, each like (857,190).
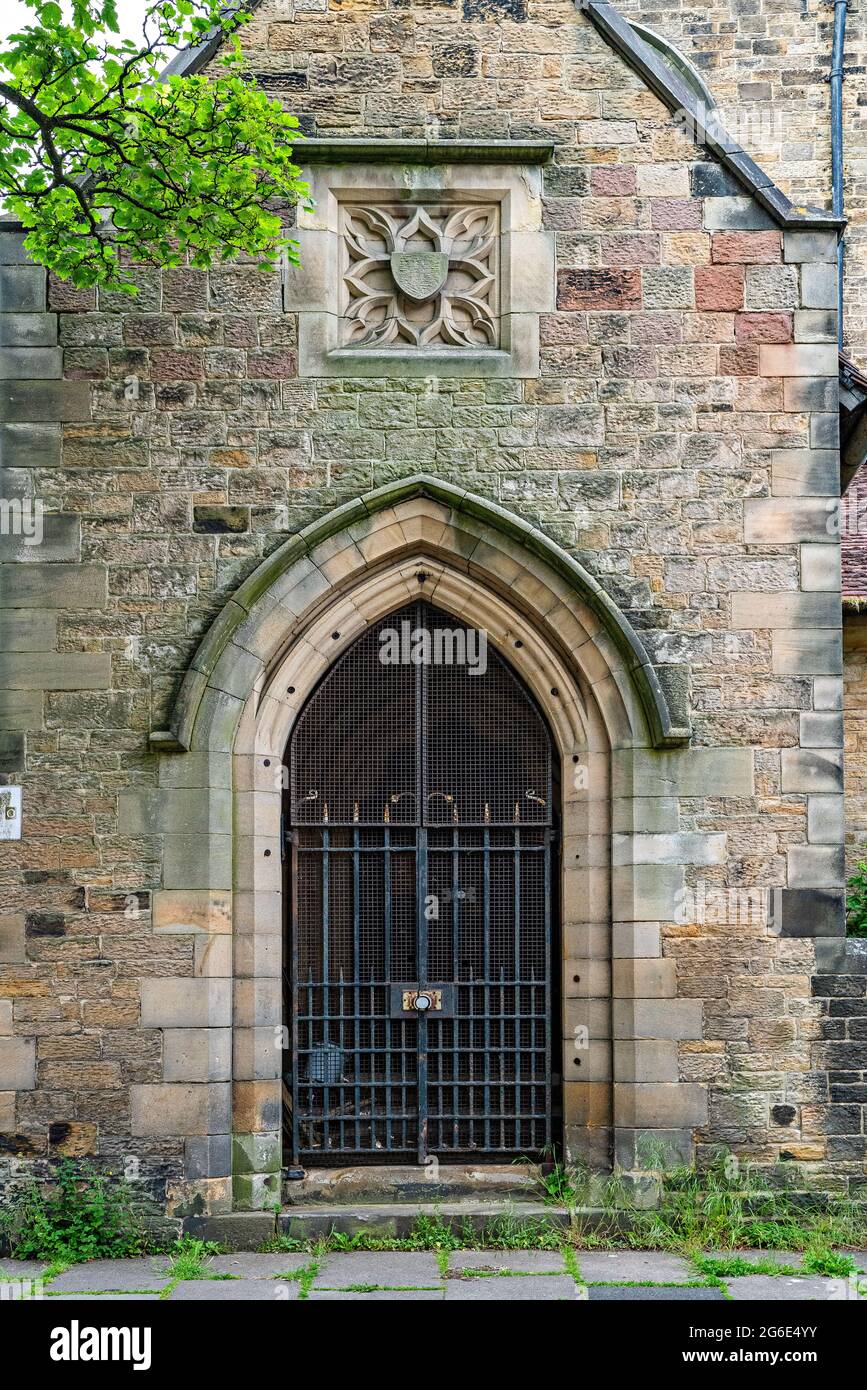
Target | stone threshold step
(398,1220)
(386,1184)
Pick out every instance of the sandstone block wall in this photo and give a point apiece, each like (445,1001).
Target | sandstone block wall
(679,441)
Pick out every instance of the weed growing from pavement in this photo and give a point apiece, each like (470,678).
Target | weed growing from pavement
(190,1259)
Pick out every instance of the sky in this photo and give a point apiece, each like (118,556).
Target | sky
(13,13)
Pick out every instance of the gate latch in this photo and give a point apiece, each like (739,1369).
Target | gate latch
(423,999)
(412,999)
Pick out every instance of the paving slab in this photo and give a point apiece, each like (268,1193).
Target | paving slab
(632,1266)
(513,1261)
(247,1266)
(398,1295)
(235,1291)
(784,1288)
(398,1269)
(105,1297)
(859,1258)
(513,1289)
(98,1276)
(613,1293)
(22,1269)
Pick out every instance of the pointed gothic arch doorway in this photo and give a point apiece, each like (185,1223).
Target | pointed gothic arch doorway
(422,952)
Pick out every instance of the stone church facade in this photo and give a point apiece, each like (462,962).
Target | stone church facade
(557,360)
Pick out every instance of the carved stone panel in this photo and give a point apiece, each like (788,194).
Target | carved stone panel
(420,275)
(419,270)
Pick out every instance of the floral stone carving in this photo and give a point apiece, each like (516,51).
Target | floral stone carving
(420,276)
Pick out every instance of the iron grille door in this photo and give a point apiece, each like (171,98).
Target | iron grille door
(421,843)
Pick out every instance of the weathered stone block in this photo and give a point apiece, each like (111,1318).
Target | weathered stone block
(797,359)
(22,289)
(257,1106)
(17,1064)
(192,911)
(647,1060)
(644,979)
(180,1109)
(60,540)
(28,331)
(816,866)
(54,586)
(820,568)
(599,289)
(29,363)
(197,1054)
(736,214)
(778,522)
(208,1156)
(746,248)
(45,400)
(806,472)
(803,770)
(650,1018)
(29,446)
(65,671)
(670,1106)
(256,1153)
(12,940)
(775,611)
(719,288)
(825,820)
(819,286)
(257,1056)
(687,772)
(810,246)
(815,326)
(646,892)
(807,653)
(821,730)
(186,1003)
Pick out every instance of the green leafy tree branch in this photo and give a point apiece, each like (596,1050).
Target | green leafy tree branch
(104,161)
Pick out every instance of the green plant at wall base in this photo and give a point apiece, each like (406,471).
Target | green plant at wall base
(856,901)
(105,162)
(83,1215)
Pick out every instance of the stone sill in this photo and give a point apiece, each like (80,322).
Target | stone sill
(321,150)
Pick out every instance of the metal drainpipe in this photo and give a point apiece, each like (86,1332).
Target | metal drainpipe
(837,78)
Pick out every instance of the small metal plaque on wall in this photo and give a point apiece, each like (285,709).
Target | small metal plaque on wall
(10,813)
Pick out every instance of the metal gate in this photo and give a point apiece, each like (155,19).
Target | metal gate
(419,865)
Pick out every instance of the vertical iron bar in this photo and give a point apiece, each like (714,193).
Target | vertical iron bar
(387,976)
(421,869)
(547,986)
(516,989)
(486,947)
(422,967)
(456,956)
(326,992)
(294,987)
(356,975)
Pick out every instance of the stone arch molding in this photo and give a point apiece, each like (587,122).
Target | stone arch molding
(218,806)
(422,518)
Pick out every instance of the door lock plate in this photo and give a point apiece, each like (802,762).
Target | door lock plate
(424,999)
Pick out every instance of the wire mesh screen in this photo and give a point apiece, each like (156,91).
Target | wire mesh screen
(354,751)
(421,849)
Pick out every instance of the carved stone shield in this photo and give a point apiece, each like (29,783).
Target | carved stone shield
(419,274)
